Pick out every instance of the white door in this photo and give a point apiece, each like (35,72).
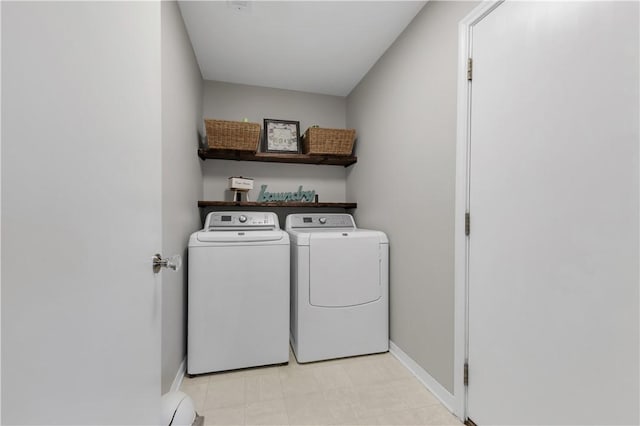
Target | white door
(80,212)
(553,249)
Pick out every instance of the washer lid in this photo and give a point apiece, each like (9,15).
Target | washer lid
(344,270)
(240,236)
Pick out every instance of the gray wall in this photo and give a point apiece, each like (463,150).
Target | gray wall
(405,113)
(227,101)
(182,87)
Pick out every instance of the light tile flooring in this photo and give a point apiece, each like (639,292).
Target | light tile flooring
(366,390)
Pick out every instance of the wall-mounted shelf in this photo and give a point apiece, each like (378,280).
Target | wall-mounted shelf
(275,204)
(269,157)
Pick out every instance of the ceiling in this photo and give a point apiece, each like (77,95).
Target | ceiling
(311,46)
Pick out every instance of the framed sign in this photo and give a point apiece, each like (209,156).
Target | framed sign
(281,136)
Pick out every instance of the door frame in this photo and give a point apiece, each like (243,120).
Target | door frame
(461,241)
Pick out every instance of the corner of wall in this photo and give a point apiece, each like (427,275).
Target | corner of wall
(404,111)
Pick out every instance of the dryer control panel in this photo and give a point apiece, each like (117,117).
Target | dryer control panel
(226,220)
(319,220)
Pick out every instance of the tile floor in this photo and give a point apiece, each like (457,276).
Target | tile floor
(366,390)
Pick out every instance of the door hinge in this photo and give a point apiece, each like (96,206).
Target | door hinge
(466,374)
(467,223)
(469,69)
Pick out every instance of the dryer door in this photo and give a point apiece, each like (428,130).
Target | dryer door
(344,269)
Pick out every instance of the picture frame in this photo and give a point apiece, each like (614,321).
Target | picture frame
(281,136)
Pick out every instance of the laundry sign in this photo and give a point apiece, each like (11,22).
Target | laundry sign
(298,196)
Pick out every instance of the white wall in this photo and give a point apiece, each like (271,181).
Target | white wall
(227,101)
(181,178)
(404,182)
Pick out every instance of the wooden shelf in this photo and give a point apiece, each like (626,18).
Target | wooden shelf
(269,157)
(275,204)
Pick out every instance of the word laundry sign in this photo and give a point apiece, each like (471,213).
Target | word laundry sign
(299,195)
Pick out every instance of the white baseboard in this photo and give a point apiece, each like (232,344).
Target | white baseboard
(425,378)
(177,381)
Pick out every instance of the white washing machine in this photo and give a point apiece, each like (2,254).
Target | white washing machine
(339,287)
(238,301)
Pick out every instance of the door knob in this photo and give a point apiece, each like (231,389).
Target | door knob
(173,262)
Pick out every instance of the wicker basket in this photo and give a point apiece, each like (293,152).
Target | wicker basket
(236,135)
(318,141)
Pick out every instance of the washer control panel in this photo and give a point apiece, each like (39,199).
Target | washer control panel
(319,220)
(226,220)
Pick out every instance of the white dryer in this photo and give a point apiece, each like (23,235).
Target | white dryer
(339,287)
(238,300)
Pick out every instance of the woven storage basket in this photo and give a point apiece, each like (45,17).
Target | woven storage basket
(318,141)
(236,135)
